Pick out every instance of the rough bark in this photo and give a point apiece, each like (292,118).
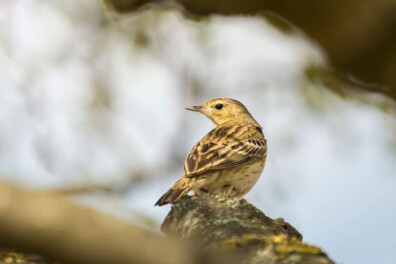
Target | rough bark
(238,230)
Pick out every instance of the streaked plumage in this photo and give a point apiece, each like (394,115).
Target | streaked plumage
(228,160)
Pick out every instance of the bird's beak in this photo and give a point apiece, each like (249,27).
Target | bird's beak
(195,108)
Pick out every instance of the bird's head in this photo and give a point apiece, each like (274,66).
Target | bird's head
(223,110)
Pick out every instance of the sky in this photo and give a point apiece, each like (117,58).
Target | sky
(89,99)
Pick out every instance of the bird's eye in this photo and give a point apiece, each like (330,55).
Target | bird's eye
(219,106)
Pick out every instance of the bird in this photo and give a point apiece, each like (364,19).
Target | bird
(229,160)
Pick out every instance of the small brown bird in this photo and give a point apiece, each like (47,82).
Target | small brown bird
(228,160)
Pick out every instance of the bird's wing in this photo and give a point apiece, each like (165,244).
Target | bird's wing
(225,147)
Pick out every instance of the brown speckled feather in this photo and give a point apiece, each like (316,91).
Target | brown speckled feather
(224,147)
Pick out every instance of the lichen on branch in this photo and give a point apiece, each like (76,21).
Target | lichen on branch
(234,227)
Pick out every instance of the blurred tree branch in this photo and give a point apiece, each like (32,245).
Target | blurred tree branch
(358,36)
(55,227)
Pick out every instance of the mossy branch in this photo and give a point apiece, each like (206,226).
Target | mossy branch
(238,230)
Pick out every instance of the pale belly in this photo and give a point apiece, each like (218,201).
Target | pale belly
(235,182)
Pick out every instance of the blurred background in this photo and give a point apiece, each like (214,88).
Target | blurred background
(91,106)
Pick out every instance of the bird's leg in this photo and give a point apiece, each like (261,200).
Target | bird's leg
(199,192)
(226,191)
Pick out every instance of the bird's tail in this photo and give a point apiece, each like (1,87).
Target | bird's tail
(179,189)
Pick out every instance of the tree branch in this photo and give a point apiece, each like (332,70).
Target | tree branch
(239,231)
(55,227)
(222,231)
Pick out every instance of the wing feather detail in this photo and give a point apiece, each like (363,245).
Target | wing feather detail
(225,147)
